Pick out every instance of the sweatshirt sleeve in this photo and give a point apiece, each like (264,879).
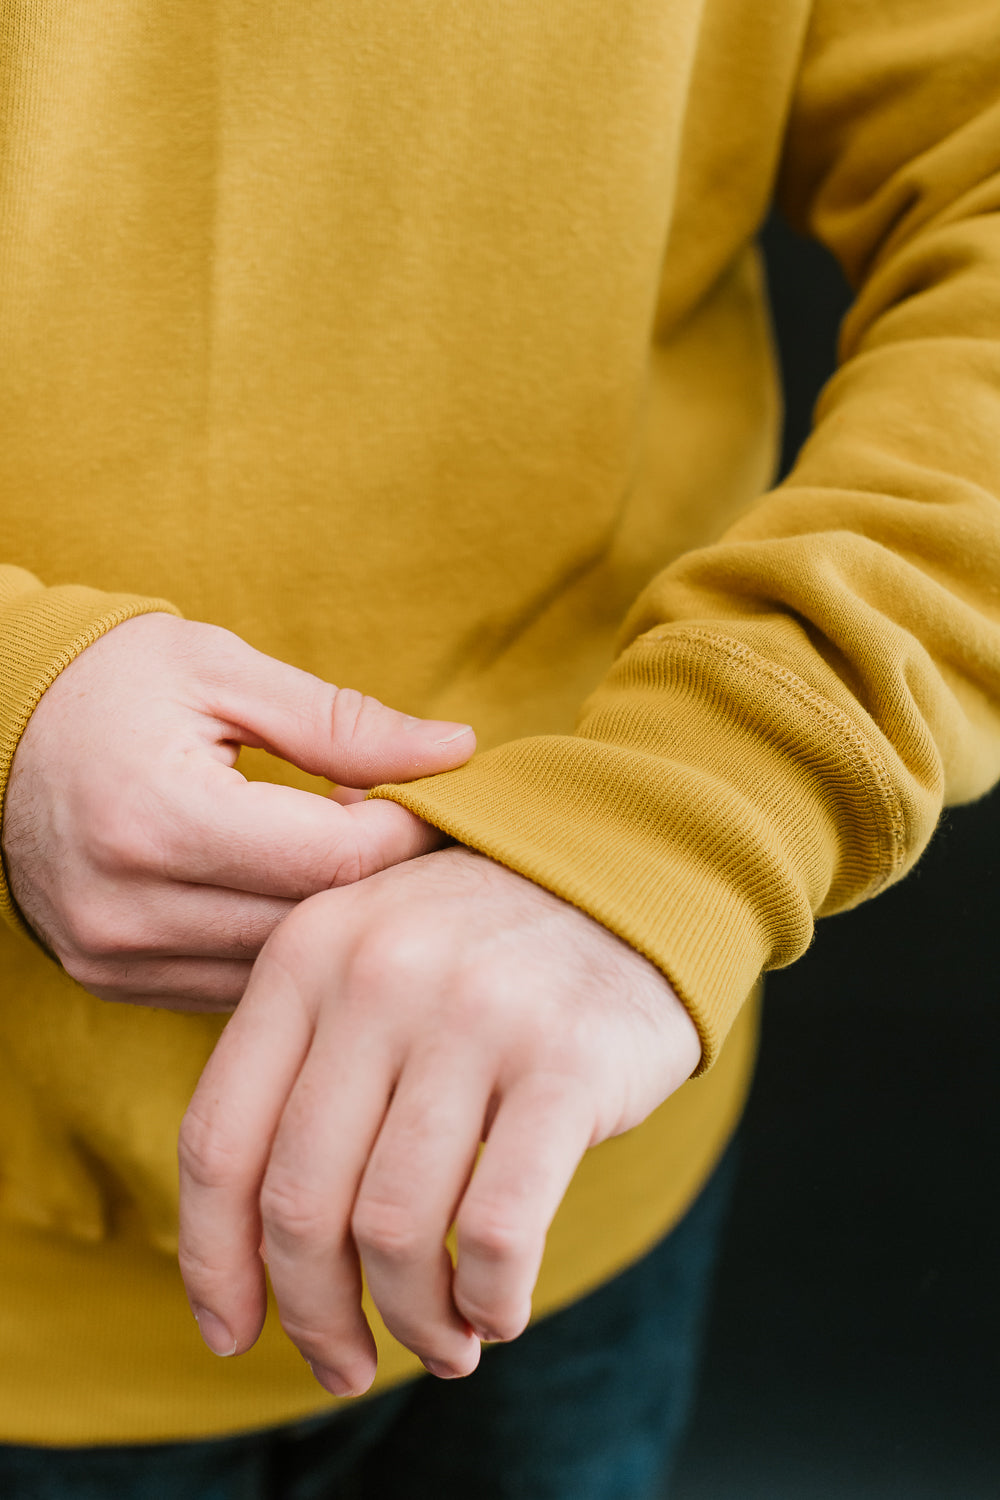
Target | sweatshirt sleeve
(41,631)
(792,706)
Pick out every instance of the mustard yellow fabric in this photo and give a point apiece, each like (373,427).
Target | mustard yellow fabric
(426,348)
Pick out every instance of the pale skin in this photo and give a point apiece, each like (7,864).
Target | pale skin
(147,864)
(409,1002)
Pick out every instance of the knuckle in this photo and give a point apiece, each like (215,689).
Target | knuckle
(386,1231)
(393,955)
(249,930)
(493,1234)
(210,650)
(349,861)
(93,974)
(293,1212)
(331,1341)
(495,995)
(198,1272)
(93,938)
(355,719)
(313,1343)
(118,836)
(206,1155)
(215,641)
(347,715)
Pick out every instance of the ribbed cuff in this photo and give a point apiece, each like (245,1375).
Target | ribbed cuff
(708,805)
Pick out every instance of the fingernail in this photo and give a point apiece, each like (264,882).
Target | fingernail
(331,1381)
(215,1333)
(486,1337)
(455,735)
(438,731)
(443,1372)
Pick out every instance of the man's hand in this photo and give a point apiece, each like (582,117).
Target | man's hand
(144,861)
(387,1030)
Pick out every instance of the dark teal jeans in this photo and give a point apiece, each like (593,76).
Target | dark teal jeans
(589,1404)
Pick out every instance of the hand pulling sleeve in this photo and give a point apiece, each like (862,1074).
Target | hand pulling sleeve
(792,705)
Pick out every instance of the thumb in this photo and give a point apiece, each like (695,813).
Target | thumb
(328,731)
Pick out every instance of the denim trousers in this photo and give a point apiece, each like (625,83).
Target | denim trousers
(589,1404)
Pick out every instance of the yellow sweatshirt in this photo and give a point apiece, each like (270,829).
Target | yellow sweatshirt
(425,347)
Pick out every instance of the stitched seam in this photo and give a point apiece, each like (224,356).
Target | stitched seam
(869,767)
